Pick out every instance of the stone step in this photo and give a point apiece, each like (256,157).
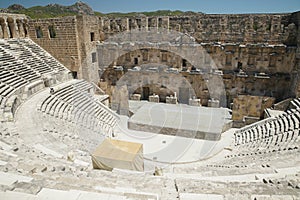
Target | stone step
(9,178)
(5,146)
(192,196)
(47,193)
(2,163)
(47,151)
(12,195)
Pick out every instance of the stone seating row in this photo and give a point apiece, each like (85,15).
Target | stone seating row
(45,169)
(11,79)
(280,125)
(257,135)
(26,62)
(296,102)
(271,138)
(74,103)
(19,71)
(23,72)
(243,161)
(23,55)
(8,63)
(45,56)
(25,48)
(243,190)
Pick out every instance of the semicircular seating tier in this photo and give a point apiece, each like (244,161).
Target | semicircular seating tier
(25,68)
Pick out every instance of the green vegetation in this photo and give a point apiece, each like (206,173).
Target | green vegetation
(152,13)
(44,12)
(55,10)
(49,11)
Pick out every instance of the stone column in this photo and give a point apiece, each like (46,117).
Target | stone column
(120,100)
(11,28)
(168,24)
(15,29)
(127,24)
(5,29)
(1,32)
(20,28)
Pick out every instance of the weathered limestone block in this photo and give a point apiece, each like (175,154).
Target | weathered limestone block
(136,97)
(194,102)
(214,103)
(120,100)
(154,98)
(171,100)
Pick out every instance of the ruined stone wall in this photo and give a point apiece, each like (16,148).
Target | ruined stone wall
(246,106)
(266,69)
(252,43)
(155,56)
(62,43)
(88,35)
(148,83)
(239,28)
(254,58)
(76,37)
(295,20)
(258,55)
(166,84)
(73,42)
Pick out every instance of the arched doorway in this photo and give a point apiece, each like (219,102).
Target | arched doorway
(165,47)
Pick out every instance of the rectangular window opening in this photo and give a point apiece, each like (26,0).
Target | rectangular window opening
(92,36)
(164,57)
(94,57)
(52,32)
(228,59)
(184,62)
(39,32)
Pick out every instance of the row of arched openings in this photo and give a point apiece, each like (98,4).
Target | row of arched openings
(13,28)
